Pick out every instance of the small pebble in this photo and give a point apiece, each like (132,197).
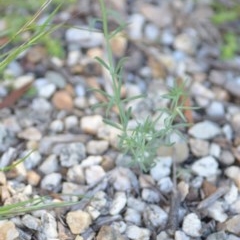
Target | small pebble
(118,203)
(71,122)
(56,126)
(217,236)
(91,160)
(49,165)
(154,217)
(94,174)
(205,167)
(150,195)
(84,38)
(162,168)
(204,130)
(186,43)
(91,124)
(72,154)
(231,196)
(48,226)
(30,133)
(226,157)
(137,233)
(179,235)
(123,179)
(31,222)
(192,225)
(62,100)
(151,32)
(55,78)
(135,27)
(132,216)
(199,148)
(32,160)
(51,182)
(233,172)
(97,147)
(75,174)
(217,211)
(8,230)
(233,225)
(78,221)
(165,185)
(215,110)
(47,90)
(215,150)
(136,204)
(109,233)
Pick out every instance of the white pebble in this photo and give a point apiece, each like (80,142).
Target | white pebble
(71,122)
(57,126)
(179,235)
(137,233)
(215,109)
(205,130)
(91,124)
(94,174)
(205,167)
(215,150)
(47,90)
(135,27)
(162,168)
(84,38)
(132,216)
(192,225)
(118,203)
(231,196)
(217,211)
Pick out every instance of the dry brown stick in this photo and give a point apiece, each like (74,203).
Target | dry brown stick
(175,201)
(213,197)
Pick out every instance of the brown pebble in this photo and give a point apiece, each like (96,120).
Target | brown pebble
(62,100)
(33,178)
(208,188)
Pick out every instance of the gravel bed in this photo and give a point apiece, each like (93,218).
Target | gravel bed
(76,153)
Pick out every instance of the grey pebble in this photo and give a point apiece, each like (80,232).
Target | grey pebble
(71,122)
(132,216)
(137,233)
(56,126)
(49,165)
(154,217)
(48,227)
(136,204)
(31,222)
(51,182)
(150,195)
(8,156)
(55,78)
(215,110)
(75,174)
(32,160)
(72,154)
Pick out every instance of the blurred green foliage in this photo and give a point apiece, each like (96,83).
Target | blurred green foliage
(16,13)
(225,15)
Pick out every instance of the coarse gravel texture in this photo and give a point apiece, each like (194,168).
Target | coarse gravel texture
(76,153)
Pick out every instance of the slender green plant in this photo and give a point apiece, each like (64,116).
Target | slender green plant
(142,141)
